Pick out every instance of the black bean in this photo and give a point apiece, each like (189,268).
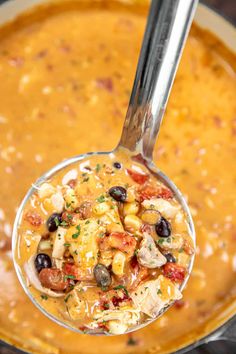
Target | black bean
(163,228)
(170,258)
(53,222)
(117,165)
(42,261)
(102,276)
(118,193)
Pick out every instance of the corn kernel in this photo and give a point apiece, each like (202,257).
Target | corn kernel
(101,208)
(114,227)
(47,204)
(118,263)
(132,222)
(131,208)
(131,193)
(151,217)
(71,200)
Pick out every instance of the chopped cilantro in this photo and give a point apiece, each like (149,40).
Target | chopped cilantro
(136,252)
(44,297)
(98,167)
(150,247)
(106,306)
(159,292)
(87,222)
(67,297)
(67,244)
(76,235)
(68,205)
(69,277)
(101,199)
(86,179)
(160,241)
(122,287)
(64,223)
(104,288)
(181,250)
(78,228)
(57,221)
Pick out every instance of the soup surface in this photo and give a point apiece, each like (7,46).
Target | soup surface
(64,86)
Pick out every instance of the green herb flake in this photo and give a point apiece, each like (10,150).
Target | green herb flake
(150,247)
(57,221)
(101,199)
(67,297)
(98,167)
(121,287)
(161,241)
(181,250)
(106,306)
(159,292)
(78,227)
(87,222)
(76,235)
(44,297)
(86,179)
(69,277)
(68,205)
(67,244)
(64,223)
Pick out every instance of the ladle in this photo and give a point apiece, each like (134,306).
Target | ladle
(166,31)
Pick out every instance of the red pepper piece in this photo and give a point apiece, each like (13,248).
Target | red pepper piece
(174,272)
(139,178)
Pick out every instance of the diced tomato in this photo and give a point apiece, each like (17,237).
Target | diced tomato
(33,218)
(77,273)
(139,178)
(165,193)
(72,269)
(150,192)
(174,272)
(123,242)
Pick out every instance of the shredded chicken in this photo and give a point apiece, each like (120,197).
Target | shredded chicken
(153,296)
(149,255)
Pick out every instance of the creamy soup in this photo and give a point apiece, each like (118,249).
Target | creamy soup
(65,84)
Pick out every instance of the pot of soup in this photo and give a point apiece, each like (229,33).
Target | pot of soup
(66,71)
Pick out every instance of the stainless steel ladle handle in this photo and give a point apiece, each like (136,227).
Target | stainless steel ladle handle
(166,31)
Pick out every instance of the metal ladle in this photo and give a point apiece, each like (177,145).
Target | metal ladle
(167,28)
